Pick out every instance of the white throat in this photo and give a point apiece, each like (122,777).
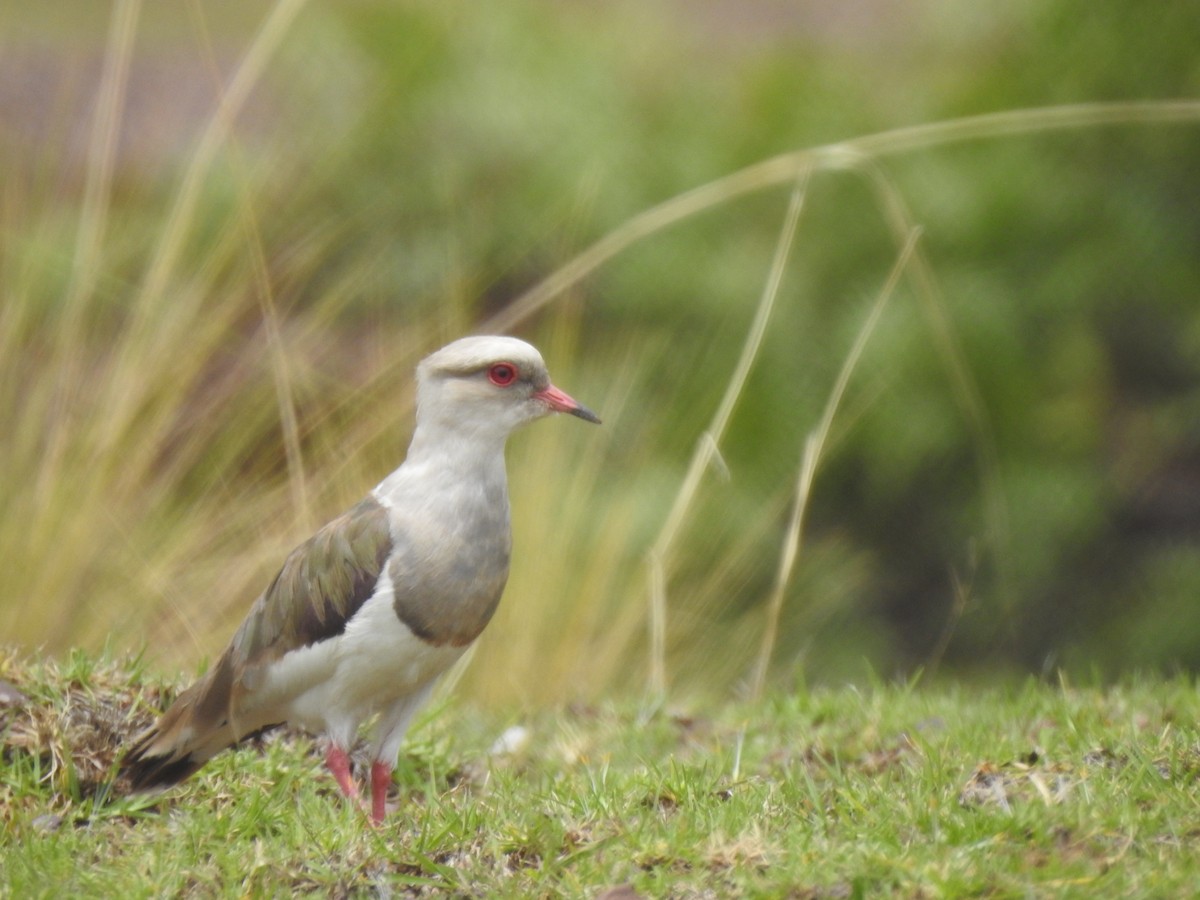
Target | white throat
(444,467)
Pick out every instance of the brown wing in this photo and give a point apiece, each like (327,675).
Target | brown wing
(322,583)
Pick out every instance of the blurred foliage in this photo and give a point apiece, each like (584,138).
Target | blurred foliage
(409,168)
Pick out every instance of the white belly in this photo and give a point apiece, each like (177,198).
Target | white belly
(335,684)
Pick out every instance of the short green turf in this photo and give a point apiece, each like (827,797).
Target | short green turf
(915,790)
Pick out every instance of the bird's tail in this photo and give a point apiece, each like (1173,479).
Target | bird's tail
(194,729)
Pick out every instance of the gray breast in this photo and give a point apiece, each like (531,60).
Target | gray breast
(448,579)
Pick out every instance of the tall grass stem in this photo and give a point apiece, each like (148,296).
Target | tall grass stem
(708,446)
(814,445)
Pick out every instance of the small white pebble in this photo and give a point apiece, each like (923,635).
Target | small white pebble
(514,739)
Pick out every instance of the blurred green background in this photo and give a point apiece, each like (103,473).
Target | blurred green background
(204,356)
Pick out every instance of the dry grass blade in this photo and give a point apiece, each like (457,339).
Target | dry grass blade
(966,391)
(265,43)
(123,406)
(708,447)
(814,445)
(102,147)
(281,375)
(93,215)
(263,288)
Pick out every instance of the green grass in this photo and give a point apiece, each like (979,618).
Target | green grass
(1027,789)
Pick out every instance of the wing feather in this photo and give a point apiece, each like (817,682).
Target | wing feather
(320,586)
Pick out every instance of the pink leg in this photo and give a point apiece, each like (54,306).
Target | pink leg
(381,780)
(337,761)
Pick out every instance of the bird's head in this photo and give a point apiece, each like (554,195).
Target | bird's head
(488,385)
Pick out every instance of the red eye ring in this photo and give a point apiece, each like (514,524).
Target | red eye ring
(502,374)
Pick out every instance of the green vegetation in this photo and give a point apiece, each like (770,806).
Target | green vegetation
(912,791)
(229,230)
(212,305)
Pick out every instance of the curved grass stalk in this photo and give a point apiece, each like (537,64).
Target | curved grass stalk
(814,445)
(846,154)
(708,447)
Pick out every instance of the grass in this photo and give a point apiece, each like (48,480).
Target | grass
(908,790)
(195,377)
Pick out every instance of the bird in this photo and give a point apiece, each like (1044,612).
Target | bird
(363,617)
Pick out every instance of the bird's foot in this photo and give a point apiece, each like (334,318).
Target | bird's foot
(381,781)
(337,761)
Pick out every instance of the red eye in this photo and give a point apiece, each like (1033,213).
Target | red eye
(502,374)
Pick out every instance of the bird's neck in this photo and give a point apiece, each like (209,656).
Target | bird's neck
(442,458)
(458,445)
